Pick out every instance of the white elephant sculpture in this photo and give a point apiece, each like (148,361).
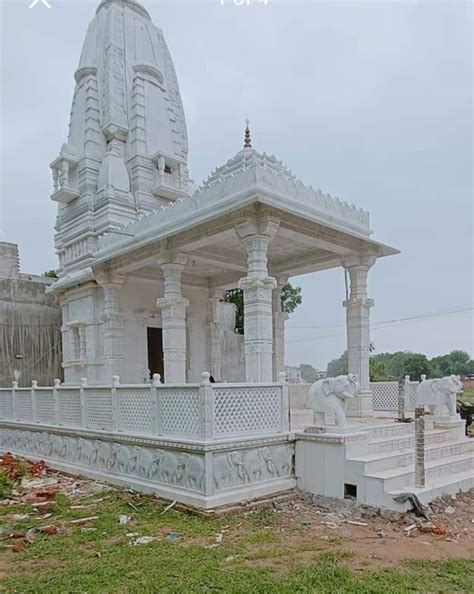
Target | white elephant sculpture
(438,393)
(329,395)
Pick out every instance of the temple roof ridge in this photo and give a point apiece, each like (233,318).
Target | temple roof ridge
(247,171)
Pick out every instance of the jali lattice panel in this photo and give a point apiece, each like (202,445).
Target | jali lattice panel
(135,409)
(23,405)
(384,395)
(179,411)
(69,403)
(244,410)
(44,405)
(99,414)
(6,404)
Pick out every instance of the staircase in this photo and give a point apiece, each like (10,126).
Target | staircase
(384,465)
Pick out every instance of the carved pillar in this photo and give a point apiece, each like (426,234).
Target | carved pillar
(358,331)
(279,319)
(256,234)
(112,320)
(173,314)
(215,338)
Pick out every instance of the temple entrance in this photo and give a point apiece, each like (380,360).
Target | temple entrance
(155,351)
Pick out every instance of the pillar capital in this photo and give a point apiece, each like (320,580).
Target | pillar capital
(355,303)
(169,257)
(104,278)
(249,282)
(263,226)
(365,261)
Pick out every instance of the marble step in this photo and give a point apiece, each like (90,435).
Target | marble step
(398,478)
(462,481)
(395,430)
(376,462)
(406,442)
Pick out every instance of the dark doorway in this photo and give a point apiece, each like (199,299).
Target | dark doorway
(155,351)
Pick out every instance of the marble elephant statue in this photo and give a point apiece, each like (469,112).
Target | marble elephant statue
(438,393)
(329,395)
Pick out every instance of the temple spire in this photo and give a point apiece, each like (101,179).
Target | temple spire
(247,138)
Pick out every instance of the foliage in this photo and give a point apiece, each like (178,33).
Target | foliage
(308,373)
(457,362)
(290,299)
(236,296)
(6,484)
(50,274)
(405,363)
(377,371)
(338,366)
(393,366)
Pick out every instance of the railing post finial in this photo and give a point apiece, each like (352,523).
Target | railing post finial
(282,377)
(83,382)
(156,379)
(115,381)
(205,377)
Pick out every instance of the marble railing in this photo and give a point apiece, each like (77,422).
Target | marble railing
(385,395)
(200,412)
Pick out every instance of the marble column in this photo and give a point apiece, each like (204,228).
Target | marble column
(112,325)
(256,234)
(173,315)
(215,338)
(279,319)
(358,332)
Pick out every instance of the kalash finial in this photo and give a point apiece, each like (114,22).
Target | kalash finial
(247,139)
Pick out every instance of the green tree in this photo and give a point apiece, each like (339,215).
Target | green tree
(308,373)
(338,366)
(50,274)
(457,362)
(290,299)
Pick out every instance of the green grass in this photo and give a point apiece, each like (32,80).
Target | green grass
(253,558)
(467,395)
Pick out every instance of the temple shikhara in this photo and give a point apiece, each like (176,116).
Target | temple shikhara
(146,259)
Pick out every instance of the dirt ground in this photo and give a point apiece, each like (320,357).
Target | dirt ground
(378,538)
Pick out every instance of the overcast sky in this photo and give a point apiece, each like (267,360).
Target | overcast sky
(369,101)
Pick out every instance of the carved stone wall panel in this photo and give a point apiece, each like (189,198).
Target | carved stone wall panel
(236,468)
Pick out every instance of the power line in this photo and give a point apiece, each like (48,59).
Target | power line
(336,329)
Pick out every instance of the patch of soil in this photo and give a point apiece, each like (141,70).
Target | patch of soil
(386,539)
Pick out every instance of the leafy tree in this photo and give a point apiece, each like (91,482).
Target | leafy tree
(50,274)
(290,299)
(392,366)
(308,373)
(457,362)
(377,370)
(338,366)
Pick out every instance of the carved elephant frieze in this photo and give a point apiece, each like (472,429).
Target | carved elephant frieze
(167,468)
(283,459)
(228,470)
(190,472)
